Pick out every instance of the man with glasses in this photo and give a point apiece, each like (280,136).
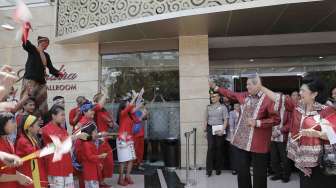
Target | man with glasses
(253,133)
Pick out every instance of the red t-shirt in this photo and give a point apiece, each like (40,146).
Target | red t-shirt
(5,146)
(64,166)
(127,120)
(90,161)
(103,119)
(24,147)
(72,116)
(108,164)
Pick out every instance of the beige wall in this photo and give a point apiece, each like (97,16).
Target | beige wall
(82,59)
(194,97)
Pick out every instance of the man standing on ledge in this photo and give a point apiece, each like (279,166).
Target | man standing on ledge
(253,132)
(34,82)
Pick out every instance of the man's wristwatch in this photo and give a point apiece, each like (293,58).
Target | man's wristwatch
(216,88)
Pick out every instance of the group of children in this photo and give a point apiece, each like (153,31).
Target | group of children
(90,163)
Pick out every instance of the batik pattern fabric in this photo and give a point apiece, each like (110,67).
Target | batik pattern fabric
(244,133)
(277,135)
(306,151)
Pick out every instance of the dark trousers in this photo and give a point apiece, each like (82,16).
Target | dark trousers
(214,160)
(233,157)
(317,179)
(259,163)
(279,161)
(226,154)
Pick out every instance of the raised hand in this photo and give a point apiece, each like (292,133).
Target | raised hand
(258,80)
(10,160)
(252,122)
(102,156)
(212,84)
(23,179)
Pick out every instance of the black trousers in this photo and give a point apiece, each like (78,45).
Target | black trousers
(259,163)
(226,154)
(233,157)
(317,179)
(214,159)
(279,161)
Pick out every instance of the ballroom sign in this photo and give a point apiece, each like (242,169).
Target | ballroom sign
(58,83)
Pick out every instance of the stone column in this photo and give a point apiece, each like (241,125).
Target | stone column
(194,97)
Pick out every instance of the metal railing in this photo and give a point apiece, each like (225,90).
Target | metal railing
(188,181)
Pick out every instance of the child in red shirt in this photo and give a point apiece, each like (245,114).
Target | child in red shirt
(26,144)
(103,118)
(75,115)
(9,177)
(60,173)
(108,163)
(139,137)
(88,111)
(125,141)
(91,159)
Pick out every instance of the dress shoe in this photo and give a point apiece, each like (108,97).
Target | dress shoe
(285,180)
(275,178)
(209,173)
(218,172)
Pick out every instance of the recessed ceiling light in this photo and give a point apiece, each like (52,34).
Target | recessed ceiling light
(320,57)
(7,27)
(291,69)
(251,60)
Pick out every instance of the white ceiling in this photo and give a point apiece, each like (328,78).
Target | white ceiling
(10,3)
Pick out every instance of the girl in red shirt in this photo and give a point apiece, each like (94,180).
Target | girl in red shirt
(125,139)
(26,144)
(104,121)
(9,177)
(103,118)
(91,160)
(108,163)
(60,173)
(139,137)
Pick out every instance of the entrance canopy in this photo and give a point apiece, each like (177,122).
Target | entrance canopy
(303,17)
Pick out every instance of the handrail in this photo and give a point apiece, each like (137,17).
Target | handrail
(187,135)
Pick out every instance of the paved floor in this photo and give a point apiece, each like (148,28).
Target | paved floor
(138,181)
(163,179)
(227,180)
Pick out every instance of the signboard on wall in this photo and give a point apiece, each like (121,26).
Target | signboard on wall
(55,83)
(78,80)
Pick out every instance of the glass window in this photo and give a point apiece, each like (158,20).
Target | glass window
(158,74)
(280,74)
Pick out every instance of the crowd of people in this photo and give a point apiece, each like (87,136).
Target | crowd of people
(28,127)
(265,130)
(271,131)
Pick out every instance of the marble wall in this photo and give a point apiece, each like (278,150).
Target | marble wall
(194,96)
